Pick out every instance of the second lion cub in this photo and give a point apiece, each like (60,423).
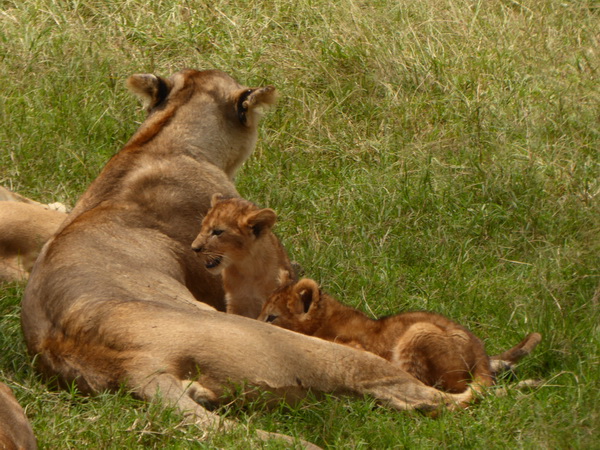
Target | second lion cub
(236,241)
(431,347)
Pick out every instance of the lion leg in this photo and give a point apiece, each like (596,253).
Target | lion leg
(24,229)
(415,395)
(7,195)
(289,364)
(188,397)
(226,350)
(179,394)
(200,394)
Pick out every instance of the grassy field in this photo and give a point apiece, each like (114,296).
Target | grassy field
(439,154)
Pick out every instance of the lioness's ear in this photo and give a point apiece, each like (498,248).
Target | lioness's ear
(252,103)
(216,198)
(307,291)
(261,220)
(152,90)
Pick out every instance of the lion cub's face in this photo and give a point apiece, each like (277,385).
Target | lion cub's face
(229,231)
(295,306)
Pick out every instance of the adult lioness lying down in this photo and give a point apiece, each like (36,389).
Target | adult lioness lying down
(117,297)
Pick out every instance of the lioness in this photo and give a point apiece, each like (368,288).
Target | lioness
(15,430)
(236,241)
(429,346)
(117,297)
(25,226)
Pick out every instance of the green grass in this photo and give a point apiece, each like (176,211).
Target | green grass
(440,155)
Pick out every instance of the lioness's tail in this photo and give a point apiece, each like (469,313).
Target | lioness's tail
(507,360)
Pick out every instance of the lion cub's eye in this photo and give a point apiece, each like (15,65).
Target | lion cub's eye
(216,232)
(271,318)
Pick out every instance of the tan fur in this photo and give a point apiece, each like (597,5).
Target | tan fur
(431,347)
(236,241)
(117,297)
(10,196)
(25,226)
(15,430)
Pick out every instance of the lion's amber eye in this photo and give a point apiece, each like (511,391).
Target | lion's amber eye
(216,232)
(271,318)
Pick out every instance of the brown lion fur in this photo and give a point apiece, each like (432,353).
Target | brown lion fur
(15,430)
(25,226)
(429,346)
(118,298)
(236,241)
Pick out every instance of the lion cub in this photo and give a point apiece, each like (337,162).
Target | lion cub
(432,348)
(236,241)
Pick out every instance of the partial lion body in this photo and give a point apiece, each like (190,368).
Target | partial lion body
(25,226)
(15,430)
(236,241)
(438,351)
(429,346)
(117,297)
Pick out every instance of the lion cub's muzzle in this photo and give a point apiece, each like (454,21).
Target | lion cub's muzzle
(210,261)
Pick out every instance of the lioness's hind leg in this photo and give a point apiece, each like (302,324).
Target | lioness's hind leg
(186,396)
(179,394)
(200,394)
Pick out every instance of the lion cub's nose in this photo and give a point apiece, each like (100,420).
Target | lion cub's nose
(197,248)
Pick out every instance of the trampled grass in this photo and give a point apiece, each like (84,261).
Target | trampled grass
(438,155)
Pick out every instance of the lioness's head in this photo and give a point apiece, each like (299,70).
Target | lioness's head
(296,306)
(207,112)
(229,230)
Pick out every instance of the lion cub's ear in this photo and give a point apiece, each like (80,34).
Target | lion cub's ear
(151,89)
(306,296)
(260,220)
(252,103)
(216,198)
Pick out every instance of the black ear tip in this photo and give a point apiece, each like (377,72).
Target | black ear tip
(242,106)
(151,89)
(162,91)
